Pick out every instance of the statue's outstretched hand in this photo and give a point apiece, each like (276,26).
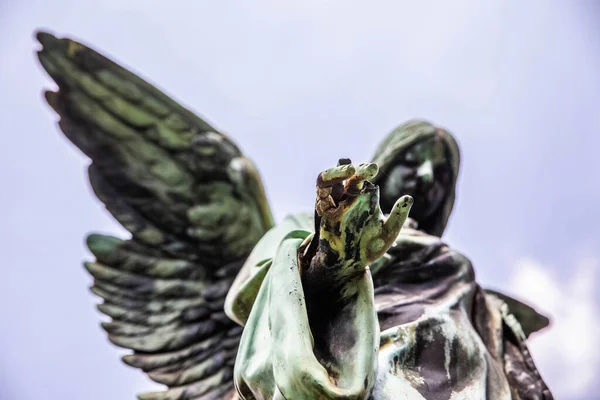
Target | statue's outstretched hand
(352,230)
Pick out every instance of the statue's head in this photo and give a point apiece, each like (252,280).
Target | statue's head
(421,160)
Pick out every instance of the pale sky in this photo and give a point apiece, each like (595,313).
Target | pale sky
(299,85)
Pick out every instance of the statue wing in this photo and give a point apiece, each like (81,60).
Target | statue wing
(194,205)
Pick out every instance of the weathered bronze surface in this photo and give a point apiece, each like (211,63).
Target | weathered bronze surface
(355,301)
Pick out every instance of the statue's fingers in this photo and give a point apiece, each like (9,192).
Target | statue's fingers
(329,183)
(334,175)
(364,172)
(397,217)
(379,244)
(337,190)
(324,202)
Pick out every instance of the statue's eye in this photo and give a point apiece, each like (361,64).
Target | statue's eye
(410,158)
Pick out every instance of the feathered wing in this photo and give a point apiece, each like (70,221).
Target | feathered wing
(194,205)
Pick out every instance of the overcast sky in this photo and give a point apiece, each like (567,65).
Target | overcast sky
(299,85)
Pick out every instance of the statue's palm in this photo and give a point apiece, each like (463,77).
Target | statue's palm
(353,231)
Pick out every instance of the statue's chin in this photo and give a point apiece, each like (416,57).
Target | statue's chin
(421,209)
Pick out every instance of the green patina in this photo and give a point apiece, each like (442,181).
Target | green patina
(355,301)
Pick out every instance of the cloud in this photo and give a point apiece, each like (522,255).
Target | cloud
(568,353)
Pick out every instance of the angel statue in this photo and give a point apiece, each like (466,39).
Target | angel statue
(353,301)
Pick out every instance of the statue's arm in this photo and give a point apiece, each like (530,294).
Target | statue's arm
(312,331)
(281,352)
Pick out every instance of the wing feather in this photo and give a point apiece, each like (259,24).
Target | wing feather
(194,205)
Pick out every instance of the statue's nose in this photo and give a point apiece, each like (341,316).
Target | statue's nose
(425,172)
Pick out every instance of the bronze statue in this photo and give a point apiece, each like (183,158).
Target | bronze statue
(360,300)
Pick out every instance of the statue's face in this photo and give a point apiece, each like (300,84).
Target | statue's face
(422,171)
